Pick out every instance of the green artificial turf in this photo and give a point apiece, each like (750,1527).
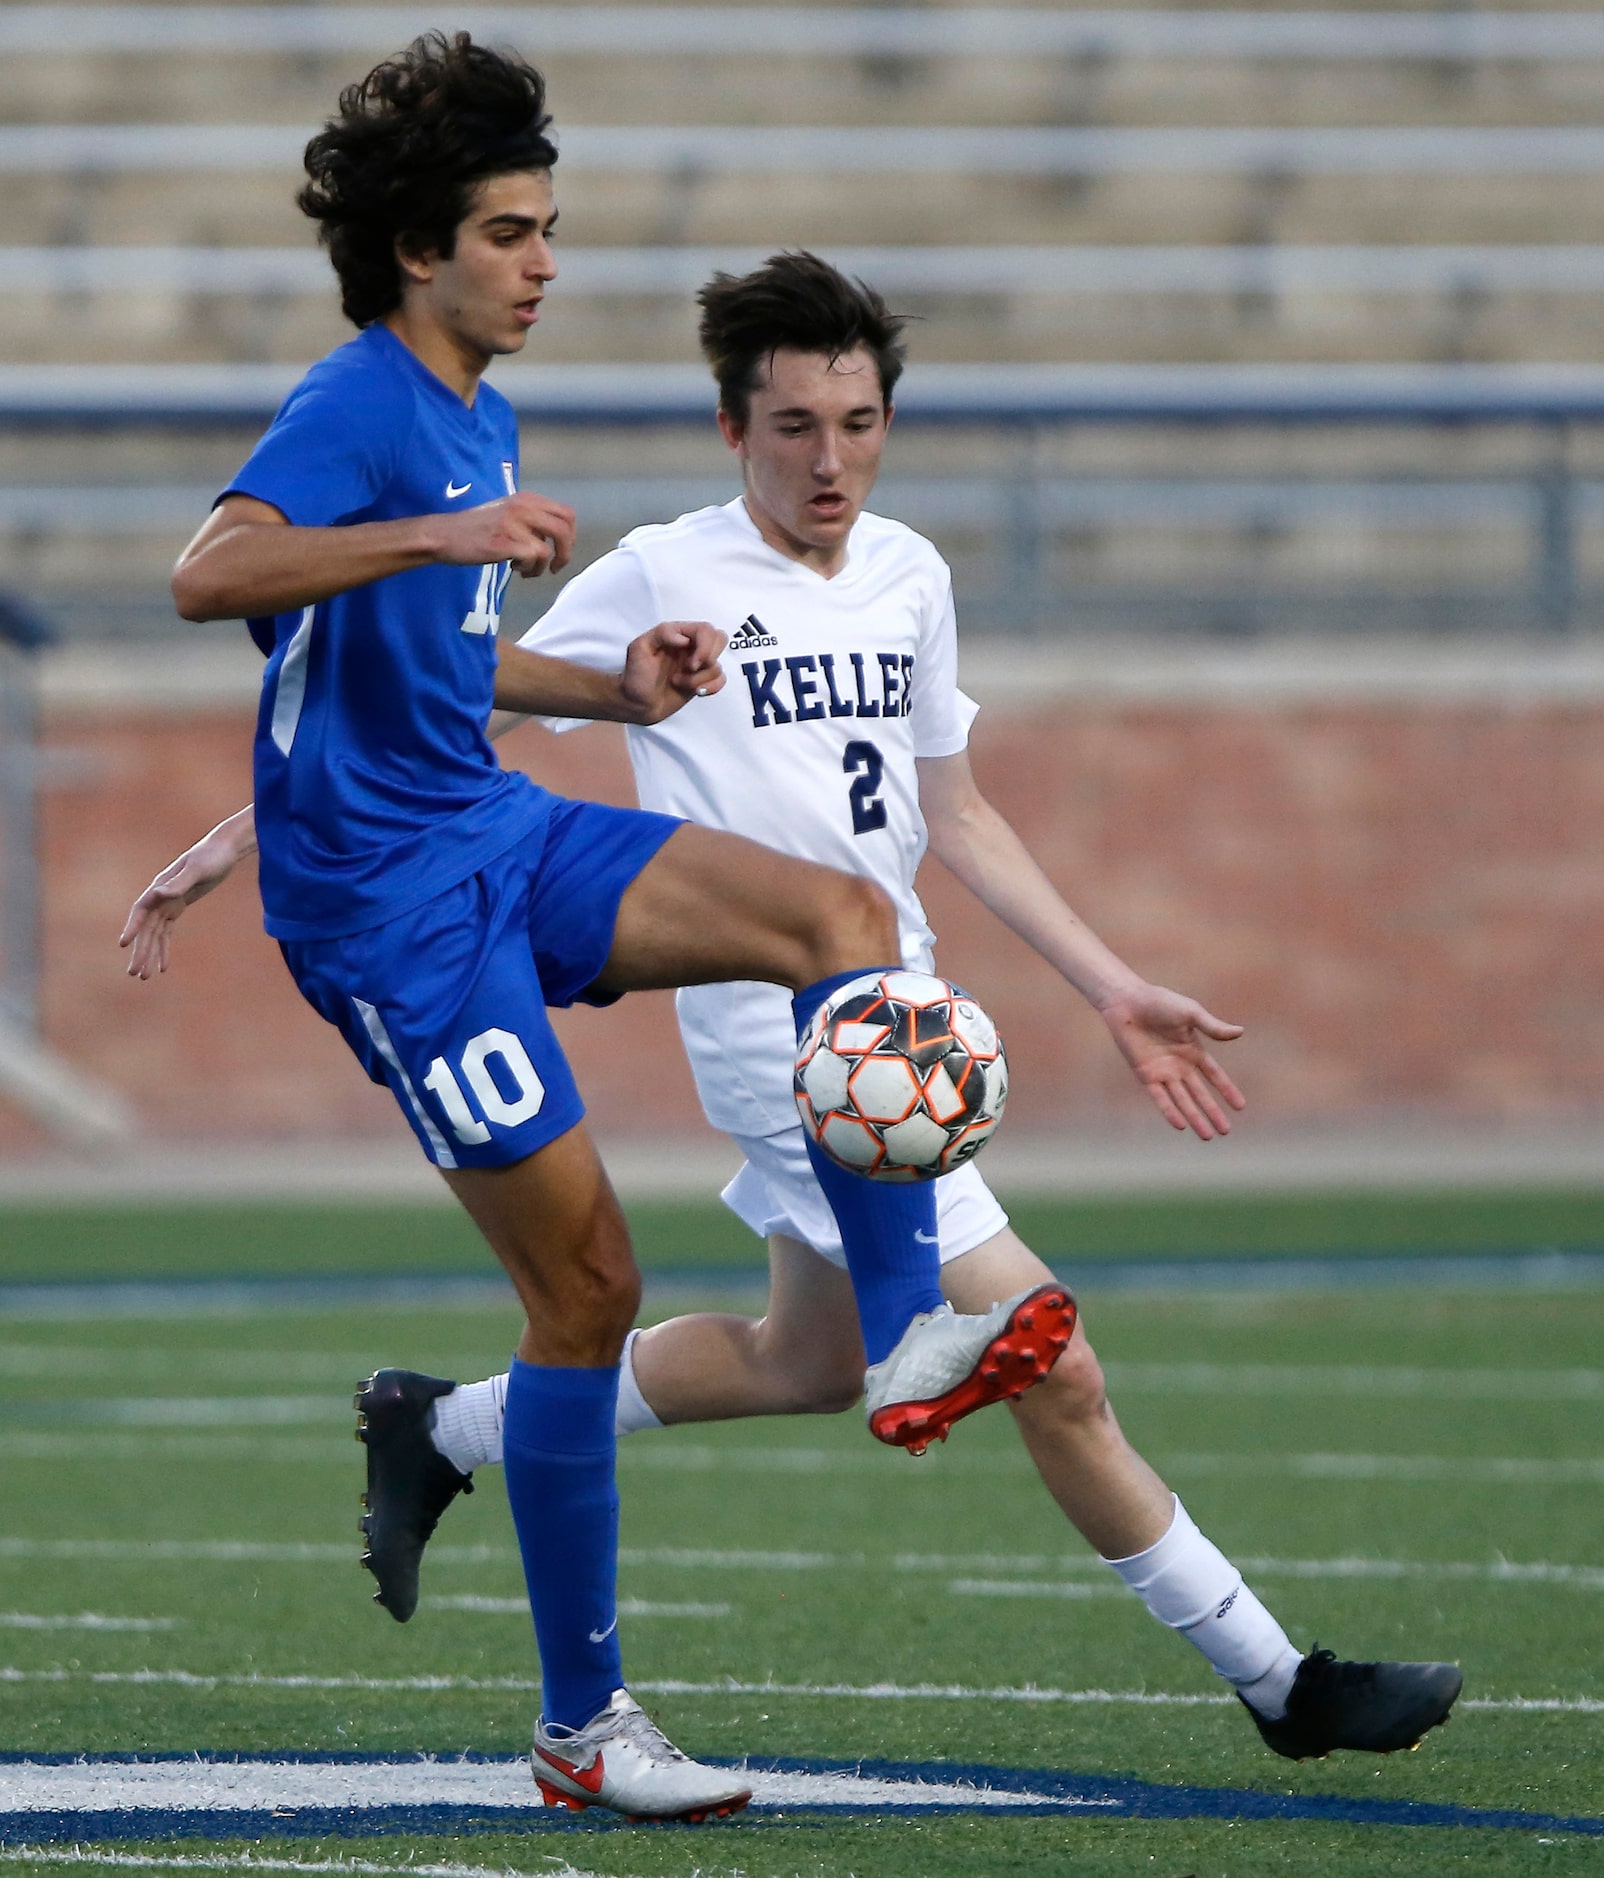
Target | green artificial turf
(80,1242)
(1414,1428)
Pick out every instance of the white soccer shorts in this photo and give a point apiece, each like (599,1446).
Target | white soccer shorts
(777,1191)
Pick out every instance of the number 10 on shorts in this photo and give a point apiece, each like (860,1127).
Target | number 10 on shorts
(516,1069)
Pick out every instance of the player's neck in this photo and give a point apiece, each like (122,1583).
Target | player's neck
(826,562)
(453,360)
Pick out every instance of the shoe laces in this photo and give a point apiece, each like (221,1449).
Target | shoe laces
(643,1734)
(1325,1667)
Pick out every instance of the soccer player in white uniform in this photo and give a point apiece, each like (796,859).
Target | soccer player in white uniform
(840,736)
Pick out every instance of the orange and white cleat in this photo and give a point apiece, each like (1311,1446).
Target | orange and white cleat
(946,1366)
(621,1759)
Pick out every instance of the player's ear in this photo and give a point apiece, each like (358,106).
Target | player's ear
(731,429)
(416,262)
(891,411)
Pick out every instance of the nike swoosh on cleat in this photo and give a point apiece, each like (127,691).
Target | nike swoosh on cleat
(589,1778)
(601,1636)
(452,491)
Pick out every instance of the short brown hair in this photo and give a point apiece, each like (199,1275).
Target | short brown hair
(797,302)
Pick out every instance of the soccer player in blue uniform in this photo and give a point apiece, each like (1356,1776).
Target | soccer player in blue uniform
(431,905)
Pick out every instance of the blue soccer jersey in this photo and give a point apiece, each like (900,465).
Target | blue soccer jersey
(376,787)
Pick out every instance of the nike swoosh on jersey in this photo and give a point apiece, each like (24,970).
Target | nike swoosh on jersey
(590,1778)
(926,1238)
(601,1636)
(452,491)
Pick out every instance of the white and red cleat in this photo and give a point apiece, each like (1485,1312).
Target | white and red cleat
(946,1366)
(622,1760)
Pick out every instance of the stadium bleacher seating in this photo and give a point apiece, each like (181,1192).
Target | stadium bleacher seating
(1041,186)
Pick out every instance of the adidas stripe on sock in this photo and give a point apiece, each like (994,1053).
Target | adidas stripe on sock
(1187,1582)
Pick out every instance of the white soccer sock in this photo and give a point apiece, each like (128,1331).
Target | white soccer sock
(1187,1582)
(634,1412)
(466,1426)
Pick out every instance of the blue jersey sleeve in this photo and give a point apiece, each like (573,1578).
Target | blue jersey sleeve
(333,448)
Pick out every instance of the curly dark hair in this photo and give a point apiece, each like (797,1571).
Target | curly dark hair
(402,157)
(797,301)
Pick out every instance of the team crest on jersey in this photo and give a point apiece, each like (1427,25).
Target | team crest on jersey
(750,634)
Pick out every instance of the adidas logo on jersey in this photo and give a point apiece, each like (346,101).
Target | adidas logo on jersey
(750,634)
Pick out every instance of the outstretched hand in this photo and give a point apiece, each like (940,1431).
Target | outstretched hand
(670,665)
(149,927)
(1161,1035)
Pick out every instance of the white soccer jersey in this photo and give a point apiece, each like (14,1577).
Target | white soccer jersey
(832,689)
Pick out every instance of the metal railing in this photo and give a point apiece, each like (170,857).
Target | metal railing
(1447,34)
(694,150)
(23,631)
(1094,499)
(1264,270)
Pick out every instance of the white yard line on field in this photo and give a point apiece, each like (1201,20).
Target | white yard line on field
(82,1620)
(1486,1470)
(98,1446)
(855,1692)
(158,1362)
(82,1430)
(251,1861)
(1491,1571)
(190,1411)
(1371,1383)
(95,1446)
(230,1551)
(253,1786)
(627,1607)
(1016,1566)
(1032,1588)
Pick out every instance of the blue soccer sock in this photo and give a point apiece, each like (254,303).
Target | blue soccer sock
(889,1232)
(560,1451)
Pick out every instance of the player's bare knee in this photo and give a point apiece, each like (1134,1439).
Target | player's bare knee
(614,1294)
(595,1294)
(1072,1391)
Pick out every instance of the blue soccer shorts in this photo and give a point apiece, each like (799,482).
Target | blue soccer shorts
(447,1003)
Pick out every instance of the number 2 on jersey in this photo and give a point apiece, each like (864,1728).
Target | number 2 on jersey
(864,762)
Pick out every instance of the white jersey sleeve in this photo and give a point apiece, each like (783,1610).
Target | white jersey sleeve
(594,618)
(941,713)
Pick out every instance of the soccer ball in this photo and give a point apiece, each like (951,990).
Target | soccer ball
(901,1076)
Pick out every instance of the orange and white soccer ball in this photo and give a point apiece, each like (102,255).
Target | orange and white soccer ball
(901,1076)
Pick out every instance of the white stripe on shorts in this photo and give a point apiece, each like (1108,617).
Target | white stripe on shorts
(373,1024)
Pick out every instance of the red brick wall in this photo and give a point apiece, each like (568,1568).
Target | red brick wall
(1404,904)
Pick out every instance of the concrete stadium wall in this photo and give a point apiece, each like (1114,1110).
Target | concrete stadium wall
(1400,896)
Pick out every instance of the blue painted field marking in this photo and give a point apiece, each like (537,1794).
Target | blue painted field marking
(229,1296)
(1141,1799)
(790,1791)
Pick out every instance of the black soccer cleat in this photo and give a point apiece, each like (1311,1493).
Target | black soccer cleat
(410,1482)
(1381,1707)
